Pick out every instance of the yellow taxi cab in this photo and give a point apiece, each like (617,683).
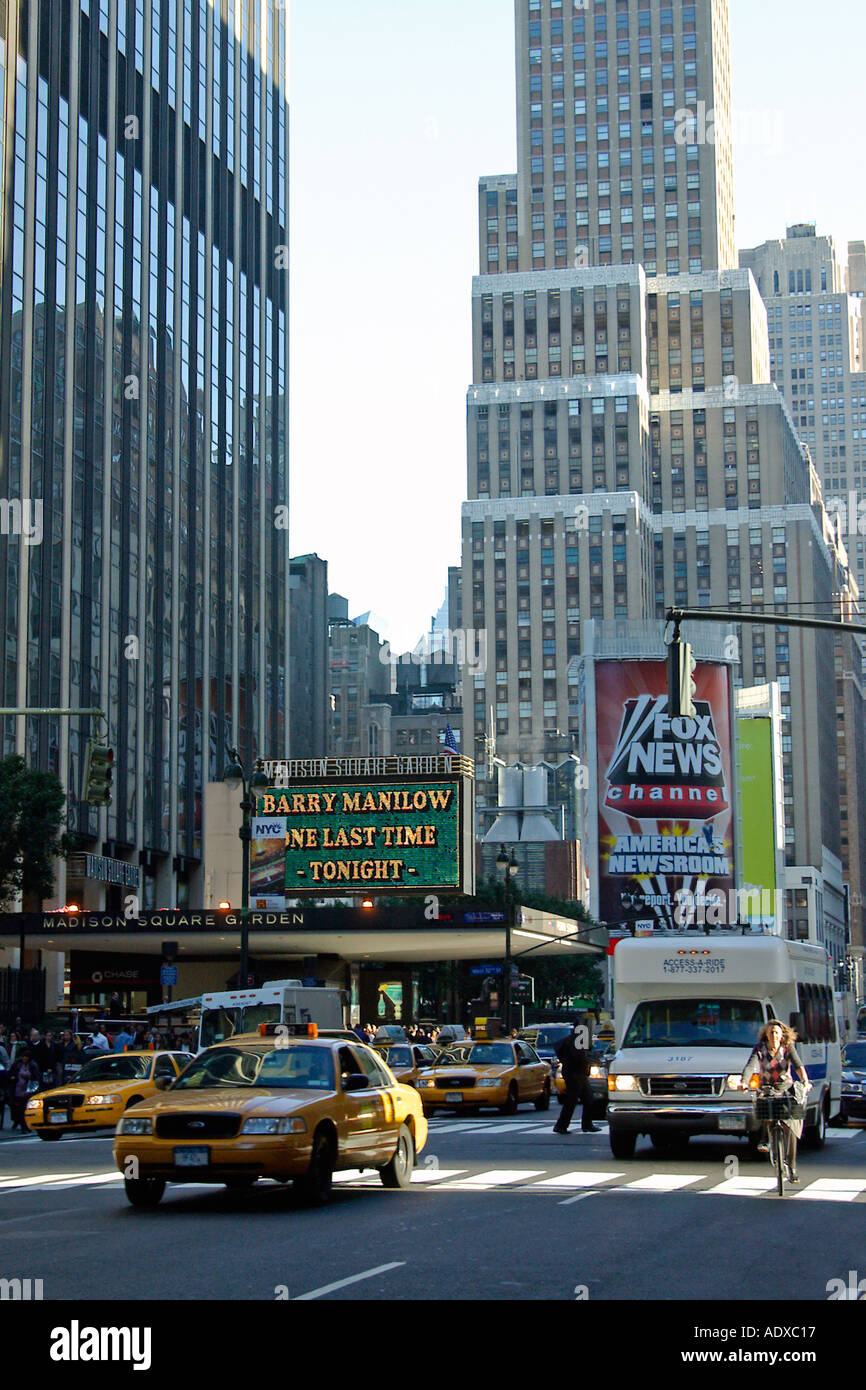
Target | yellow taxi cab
(406,1060)
(283,1104)
(502,1074)
(102,1091)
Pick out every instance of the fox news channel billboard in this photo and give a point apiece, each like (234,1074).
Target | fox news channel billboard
(664,793)
(403,829)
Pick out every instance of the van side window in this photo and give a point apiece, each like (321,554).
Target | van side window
(805,1009)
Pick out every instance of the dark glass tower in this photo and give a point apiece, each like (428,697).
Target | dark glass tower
(144,402)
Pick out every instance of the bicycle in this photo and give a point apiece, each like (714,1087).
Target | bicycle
(772,1107)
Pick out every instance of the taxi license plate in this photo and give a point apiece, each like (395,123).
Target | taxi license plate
(191,1158)
(454,1097)
(732,1124)
(59,1117)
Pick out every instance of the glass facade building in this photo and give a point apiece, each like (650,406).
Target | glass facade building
(144,403)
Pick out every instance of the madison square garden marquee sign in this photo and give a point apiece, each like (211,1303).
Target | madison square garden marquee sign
(362,826)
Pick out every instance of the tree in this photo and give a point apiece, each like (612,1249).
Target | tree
(557,981)
(31,814)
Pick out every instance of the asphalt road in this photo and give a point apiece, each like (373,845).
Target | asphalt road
(501,1209)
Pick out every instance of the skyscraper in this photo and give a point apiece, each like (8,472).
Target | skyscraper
(144,404)
(627,449)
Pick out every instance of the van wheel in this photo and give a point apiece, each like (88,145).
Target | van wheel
(622,1143)
(815,1136)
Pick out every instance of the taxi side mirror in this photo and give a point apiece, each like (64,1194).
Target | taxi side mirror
(355,1081)
(164,1083)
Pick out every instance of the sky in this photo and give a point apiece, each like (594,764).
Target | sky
(397,108)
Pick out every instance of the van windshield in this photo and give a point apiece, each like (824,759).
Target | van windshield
(695,1023)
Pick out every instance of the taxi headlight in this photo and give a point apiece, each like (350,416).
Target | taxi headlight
(623,1082)
(104,1100)
(735,1082)
(490,1081)
(426,1081)
(135,1124)
(261,1124)
(34,1104)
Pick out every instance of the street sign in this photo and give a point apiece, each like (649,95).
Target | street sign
(485,970)
(168,975)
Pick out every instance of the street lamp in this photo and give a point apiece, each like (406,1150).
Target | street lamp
(509,869)
(235,779)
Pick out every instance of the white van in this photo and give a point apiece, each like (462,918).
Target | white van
(688,1010)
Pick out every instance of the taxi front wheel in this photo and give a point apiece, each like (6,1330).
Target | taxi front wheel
(314,1188)
(398,1173)
(144,1192)
(49,1134)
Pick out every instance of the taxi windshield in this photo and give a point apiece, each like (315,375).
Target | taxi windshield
(120,1068)
(282,1068)
(398,1057)
(491,1054)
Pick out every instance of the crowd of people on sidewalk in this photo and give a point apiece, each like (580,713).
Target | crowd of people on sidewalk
(32,1060)
(415,1032)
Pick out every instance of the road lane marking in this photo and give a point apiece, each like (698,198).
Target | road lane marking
(344,1283)
(664,1182)
(582,1196)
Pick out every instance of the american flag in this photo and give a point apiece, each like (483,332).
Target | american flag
(450,740)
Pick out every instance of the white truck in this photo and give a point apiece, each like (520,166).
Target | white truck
(688,1011)
(226,1013)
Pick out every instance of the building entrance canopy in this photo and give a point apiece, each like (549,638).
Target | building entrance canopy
(403,933)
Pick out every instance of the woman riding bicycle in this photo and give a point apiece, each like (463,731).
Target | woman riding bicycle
(775,1059)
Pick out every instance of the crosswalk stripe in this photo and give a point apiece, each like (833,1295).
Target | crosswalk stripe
(742,1187)
(44,1179)
(495,1177)
(578,1179)
(833,1190)
(664,1182)
(429,1175)
(844,1134)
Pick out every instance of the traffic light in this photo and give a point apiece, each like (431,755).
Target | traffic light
(681,680)
(98,770)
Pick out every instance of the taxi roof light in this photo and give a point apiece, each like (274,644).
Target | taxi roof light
(289,1030)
